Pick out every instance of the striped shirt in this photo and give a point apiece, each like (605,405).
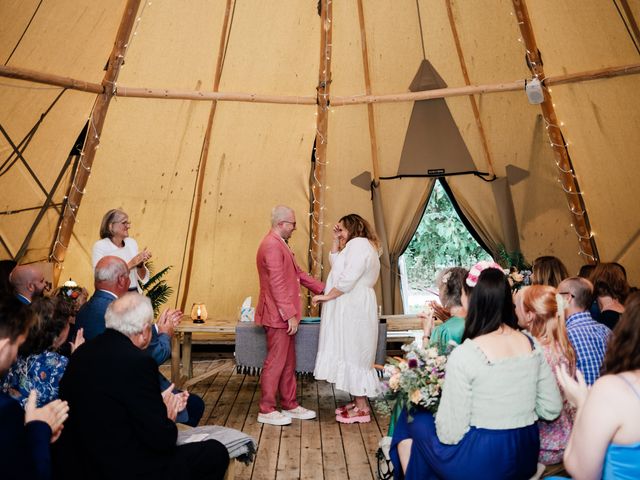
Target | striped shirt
(589,339)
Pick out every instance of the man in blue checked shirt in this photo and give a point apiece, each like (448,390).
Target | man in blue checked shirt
(588,337)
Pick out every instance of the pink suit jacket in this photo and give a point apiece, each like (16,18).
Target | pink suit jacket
(280,279)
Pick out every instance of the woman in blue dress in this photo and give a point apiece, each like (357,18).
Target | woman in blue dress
(605,441)
(39,366)
(497,385)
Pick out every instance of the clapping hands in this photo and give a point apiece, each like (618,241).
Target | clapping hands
(576,390)
(139,260)
(53,414)
(175,402)
(168,321)
(428,319)
(79,340)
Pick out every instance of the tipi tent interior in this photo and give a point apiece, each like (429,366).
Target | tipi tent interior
(197,117)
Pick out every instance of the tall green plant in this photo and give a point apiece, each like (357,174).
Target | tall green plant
(440,241)
(157,288)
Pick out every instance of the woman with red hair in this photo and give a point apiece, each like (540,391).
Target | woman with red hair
(537,308)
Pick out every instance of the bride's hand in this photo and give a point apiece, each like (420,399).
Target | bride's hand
(316,299)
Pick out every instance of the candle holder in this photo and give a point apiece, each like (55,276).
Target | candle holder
(198,313)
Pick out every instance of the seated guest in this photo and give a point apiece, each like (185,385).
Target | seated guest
(121,425)
(25,435)
(588,337)
(6,267)
(548,270)
(454,293)
(585,270)
(497,384)
(69,298)
(38,366)
(111,282)
(610,288)
(28,282)
(537,311)
(605,442)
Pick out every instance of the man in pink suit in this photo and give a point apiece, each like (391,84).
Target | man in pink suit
(279,310)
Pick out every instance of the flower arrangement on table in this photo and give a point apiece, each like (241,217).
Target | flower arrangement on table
(414,381)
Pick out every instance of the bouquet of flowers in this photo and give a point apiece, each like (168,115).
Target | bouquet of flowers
(415,380)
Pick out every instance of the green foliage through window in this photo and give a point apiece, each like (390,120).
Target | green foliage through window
(440,241)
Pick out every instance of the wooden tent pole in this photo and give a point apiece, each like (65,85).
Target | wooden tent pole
(96,122)
(204,156)
(318,186)
(50,79)
(170,94)
(633,24)
(367,85)
(472,99)
(381,228)
(566,173)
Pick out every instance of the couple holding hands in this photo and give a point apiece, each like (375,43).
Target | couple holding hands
(349,325)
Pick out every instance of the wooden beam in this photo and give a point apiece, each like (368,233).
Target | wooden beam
(467,81)
(204,156)
(380,224)
(92,141)
(367,85)
(170,94)
(49,79)
(318,186)
(566,174)
(122,91)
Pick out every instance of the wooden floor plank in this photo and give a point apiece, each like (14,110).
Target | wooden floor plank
(290,441)
(213,393)
(310,442)
(240,408)
(317,449)
(226,400)
(333,460)
(266,462)
(355,453)
(251,427)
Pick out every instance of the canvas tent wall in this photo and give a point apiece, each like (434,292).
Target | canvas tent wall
(253,155)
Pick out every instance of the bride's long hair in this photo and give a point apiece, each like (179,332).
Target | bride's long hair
(357,226)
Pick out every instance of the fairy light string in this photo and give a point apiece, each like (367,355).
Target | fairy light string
(566,175)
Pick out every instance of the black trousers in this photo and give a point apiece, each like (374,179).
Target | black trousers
(199,460)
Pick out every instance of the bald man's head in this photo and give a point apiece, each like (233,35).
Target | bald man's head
(112,274)
(28,281)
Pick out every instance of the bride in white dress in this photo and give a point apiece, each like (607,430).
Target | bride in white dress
(349,325)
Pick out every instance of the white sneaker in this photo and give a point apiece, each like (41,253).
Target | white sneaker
(300,412)
(274,418)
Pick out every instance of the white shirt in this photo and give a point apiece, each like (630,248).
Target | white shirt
(105,247)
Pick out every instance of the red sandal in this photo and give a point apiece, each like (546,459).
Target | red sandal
(345,408)
(355,415)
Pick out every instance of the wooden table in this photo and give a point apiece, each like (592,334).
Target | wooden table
(185,330)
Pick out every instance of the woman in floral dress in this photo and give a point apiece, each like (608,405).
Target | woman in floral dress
(538,312)
(39,366)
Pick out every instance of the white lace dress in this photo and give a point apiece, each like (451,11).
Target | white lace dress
(349,324)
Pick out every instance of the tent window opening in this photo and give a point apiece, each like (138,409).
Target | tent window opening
(441,240)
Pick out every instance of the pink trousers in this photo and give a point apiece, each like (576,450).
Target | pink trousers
(279,371)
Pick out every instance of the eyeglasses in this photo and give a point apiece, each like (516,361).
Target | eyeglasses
(290,223)
(567,293)
(124,222)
